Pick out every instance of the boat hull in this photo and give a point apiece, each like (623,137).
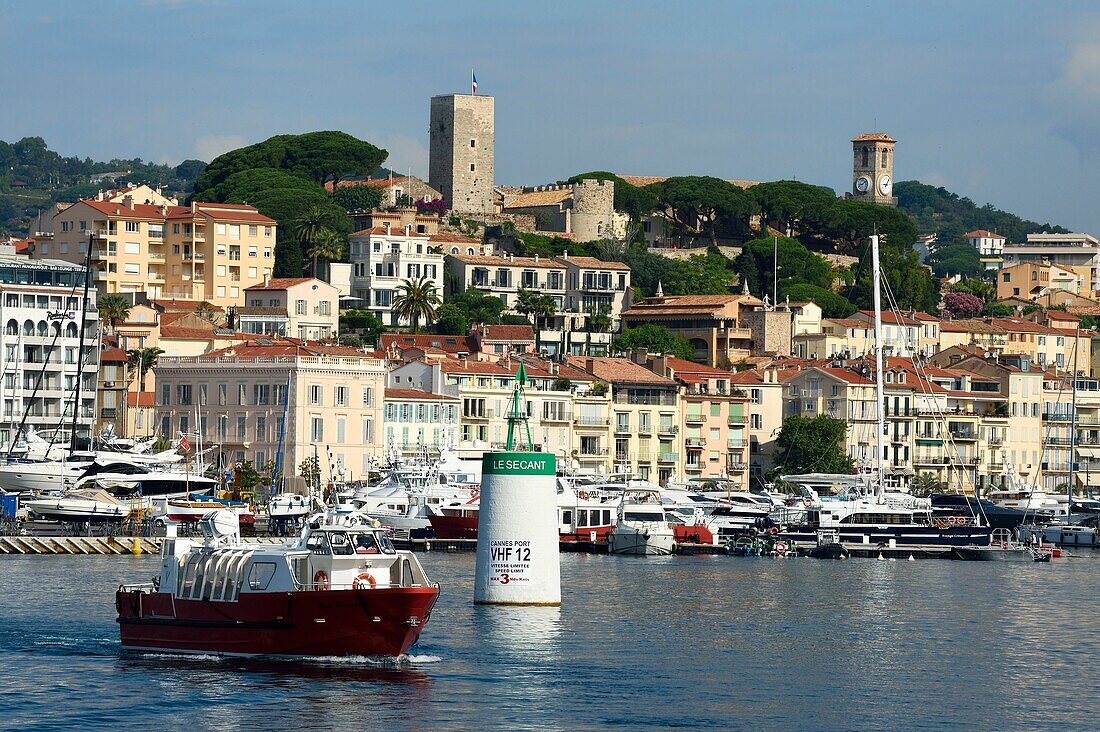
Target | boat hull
(376,622)
(901,535)
(992,554)
(629,540)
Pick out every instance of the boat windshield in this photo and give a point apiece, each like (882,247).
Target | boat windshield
(643,516)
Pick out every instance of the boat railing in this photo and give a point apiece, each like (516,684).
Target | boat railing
(138,587)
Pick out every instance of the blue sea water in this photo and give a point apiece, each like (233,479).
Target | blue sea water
(639,643)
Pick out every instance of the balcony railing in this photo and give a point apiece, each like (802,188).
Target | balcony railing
(667,457)
(661,400)
(645,456)
(695,418)
(696,442)
(669,429)
(487,414)
(589,421)
(593,451)
(622,427)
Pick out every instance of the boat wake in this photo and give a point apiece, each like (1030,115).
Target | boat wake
(371,661)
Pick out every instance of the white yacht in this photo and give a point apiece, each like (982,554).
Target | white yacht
(80,506)
(642,527)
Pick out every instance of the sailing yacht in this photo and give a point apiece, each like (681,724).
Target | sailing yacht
(868,513)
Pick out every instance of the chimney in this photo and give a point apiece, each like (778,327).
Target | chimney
(408,227)
(387,228)
(565,254)
(267,278)
(194,207)
(536,257)
(164,209)
(127,201)
(589,365)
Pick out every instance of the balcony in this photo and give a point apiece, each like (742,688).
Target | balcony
(736,422)
(930,460)
(735,444)
(645,456)
(696,418)
(654,400)
(622,427)
(666,457)
(693,468)
(108,413)
(485,415)
(696,442)
(588,421)
(561,417)
(965,436)
(669,429)
(593,451)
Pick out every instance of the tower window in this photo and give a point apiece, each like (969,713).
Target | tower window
(884,157)
(471,167)
(866,152)
(473,143)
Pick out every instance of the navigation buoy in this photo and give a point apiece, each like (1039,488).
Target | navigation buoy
(517,533)
(135,546)
(911,558)
(881,558)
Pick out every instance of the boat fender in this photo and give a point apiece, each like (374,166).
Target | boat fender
(320,580)
(363,580)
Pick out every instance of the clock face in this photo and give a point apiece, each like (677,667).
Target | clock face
(884,185)
(863,183)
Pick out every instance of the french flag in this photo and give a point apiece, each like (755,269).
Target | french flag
(473,82)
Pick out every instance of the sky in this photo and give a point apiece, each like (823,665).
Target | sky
(997,101)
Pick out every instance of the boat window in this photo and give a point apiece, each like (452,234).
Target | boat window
(318,543)
(259,577)
(340,543)
(365,544)
(385,544)
(641,516)
(567,517)
(607,517)
(582,517)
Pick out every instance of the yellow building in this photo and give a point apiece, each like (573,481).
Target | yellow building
(205,251)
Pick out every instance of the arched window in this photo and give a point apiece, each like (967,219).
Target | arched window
(56,327)
(470,251)
(454,250)
(28,328)
(43,328)
(13,327)
(71,330)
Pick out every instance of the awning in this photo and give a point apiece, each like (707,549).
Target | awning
(1089,452)
(1090,479)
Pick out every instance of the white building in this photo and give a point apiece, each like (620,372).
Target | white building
(1079,252)
(383,258)
(40,309)
(987,243)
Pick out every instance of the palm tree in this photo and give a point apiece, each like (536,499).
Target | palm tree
(416,300)
(114,309)
(537,307)
(328,245)
(308,227)
(143,360)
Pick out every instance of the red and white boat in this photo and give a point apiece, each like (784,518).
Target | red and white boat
(339,589)
(193,509)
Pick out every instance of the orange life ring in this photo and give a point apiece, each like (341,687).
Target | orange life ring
(781,547)
(807,502)
(583,495)
(320,580)
(363,580)
(773,530)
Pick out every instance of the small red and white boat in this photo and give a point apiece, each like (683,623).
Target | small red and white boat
(193,509)
(339,589)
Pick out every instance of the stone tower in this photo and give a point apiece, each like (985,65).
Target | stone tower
(460,158)
(593,207)
(873,168)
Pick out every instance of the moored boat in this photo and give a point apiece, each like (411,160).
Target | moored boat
(340,589)
(642,527)
(80,506)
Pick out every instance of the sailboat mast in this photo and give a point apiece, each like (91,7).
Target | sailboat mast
(80,346)
(1073,424)
(880,354)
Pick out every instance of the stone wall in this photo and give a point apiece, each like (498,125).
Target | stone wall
(593,208)
(771,331)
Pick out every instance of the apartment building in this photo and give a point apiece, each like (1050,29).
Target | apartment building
(645,418)
(988,243)
(565,416)
(1029,280)
(41,361)
(1071,432)
(416,420)
(111,389)
(1077,252)
(714,419)
(235,398)
(205,251)
(582,287)
(711,323)
(383,258)
(299,307)
(764,389)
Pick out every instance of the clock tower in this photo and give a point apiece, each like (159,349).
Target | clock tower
(873,169)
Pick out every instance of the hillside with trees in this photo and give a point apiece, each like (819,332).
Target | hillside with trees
(32,177)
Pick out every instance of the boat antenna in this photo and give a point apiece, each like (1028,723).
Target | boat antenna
(880,354)
(518,413)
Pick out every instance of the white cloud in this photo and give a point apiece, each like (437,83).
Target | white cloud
(210,147)
(405,152)
(1083,67)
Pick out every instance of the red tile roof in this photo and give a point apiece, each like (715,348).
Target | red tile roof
(394,231)
(507,333)
(591,263)
(449,343)
(873,137)
(280,283)
(889,317)
(114,354)
(492,261)
(982,234)
(617,370)
(417,394)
